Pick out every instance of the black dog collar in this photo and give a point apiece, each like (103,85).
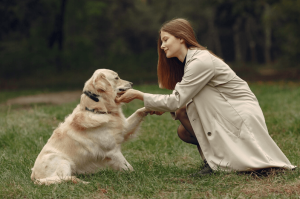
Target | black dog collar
(95,111)
(92,96)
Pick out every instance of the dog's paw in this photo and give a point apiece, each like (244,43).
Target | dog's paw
(143,111)
(127,167)
(76,180)
(46,182)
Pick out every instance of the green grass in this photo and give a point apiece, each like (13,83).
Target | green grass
(162,162)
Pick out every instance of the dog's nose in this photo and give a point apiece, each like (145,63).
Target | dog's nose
(129,85)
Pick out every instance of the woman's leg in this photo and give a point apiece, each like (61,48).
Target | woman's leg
(185,130)
(187,134)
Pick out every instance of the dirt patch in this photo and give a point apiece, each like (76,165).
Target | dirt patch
(49,98)
(264,190)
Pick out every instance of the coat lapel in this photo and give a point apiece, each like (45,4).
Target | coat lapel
(189,55)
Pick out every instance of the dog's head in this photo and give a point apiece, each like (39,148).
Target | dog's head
(107,84)
(104,80)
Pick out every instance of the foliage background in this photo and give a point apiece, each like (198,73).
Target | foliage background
(61,42)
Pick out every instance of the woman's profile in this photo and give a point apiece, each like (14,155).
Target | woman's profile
(217,110)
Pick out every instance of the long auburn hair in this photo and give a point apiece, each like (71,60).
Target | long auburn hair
(171,70)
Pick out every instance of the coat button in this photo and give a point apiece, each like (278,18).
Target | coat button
(209,133)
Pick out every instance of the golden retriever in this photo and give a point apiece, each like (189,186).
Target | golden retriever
(90,138)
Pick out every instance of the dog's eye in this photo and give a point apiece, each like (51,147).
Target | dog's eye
(117,78)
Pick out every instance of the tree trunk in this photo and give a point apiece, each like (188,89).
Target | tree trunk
(237,40)
(214,32)
(57,36)
(57,33)
(250,29)
(164,15)
(61,24)
(268,34)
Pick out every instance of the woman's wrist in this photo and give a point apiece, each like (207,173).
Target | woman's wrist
(140,95)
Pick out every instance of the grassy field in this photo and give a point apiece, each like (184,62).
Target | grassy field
(162,162)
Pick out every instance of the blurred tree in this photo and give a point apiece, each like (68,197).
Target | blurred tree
(267,20)
(287,30)
(45,37)
(19,24)
(57,35)
(251,30)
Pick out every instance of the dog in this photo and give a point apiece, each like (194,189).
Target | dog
(90,138)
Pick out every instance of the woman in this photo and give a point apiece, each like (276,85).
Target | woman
(217,110)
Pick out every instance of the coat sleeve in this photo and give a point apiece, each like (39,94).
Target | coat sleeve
(197,74)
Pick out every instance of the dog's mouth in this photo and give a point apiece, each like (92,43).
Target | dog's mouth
(121,90)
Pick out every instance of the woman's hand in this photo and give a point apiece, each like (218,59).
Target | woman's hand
(129,95)
(156,112)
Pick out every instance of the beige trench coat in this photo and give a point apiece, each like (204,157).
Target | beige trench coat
(224,113)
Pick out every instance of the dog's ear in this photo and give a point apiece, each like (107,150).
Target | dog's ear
(100,82)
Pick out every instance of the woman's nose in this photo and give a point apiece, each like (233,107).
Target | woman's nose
(162,46)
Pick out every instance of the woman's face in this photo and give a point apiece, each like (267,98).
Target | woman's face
(170,44)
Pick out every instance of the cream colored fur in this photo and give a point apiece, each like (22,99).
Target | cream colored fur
(88,141)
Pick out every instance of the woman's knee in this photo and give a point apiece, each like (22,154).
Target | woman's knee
(185,136)
(181,113)
(181,132)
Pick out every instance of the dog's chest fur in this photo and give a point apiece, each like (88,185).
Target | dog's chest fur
(102,136)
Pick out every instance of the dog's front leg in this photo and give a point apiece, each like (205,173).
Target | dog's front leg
(134,121)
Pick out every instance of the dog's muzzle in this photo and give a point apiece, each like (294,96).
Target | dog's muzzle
(125,88)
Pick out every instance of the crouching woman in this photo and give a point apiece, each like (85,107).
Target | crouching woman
(217,110)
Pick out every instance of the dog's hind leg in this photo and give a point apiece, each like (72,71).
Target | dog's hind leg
(57,180)
(118,162)
(61,174)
